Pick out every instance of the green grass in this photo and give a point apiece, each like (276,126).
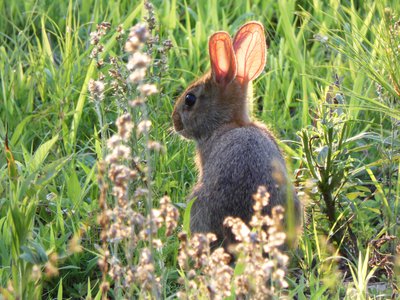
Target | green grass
(50,193)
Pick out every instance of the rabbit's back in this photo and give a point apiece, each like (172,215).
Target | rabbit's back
(236,161)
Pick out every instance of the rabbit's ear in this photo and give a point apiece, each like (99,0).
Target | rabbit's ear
(223,60)
(250,50)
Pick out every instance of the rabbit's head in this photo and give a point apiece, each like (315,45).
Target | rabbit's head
(221,95)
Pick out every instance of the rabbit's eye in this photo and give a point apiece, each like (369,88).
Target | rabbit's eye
(190,99)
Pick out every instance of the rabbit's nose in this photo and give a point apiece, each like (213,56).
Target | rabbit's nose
(176,118)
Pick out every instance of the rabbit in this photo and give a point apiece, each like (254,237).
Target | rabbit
(234,155)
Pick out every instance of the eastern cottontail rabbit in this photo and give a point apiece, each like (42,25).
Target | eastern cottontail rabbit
(234,154)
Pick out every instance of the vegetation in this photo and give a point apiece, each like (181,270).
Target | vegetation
(330,92)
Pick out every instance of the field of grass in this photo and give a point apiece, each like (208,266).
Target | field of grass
(330,92)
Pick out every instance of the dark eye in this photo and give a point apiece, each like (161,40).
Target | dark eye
(190,99)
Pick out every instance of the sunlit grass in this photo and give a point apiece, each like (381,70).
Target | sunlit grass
(54,135)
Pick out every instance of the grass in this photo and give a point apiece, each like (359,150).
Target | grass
(51,137)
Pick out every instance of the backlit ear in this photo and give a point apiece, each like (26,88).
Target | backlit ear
(223,61)
(250,50)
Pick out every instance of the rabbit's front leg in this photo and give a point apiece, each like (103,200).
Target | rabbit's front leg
(199,213)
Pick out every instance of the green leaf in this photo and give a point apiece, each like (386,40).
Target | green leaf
(89,290)
(69,267)
(98,295)
(374,210)
(186,216)
(27,255)
(3,201)
(35,254)
(51,170)
(60,290)
(74,189)
(354,195)
(239,269)
(41,154)
(19,129)
(363,188)
(42,256)
(322,155)
(47,52)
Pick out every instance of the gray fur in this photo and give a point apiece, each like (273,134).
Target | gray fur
(235,162)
